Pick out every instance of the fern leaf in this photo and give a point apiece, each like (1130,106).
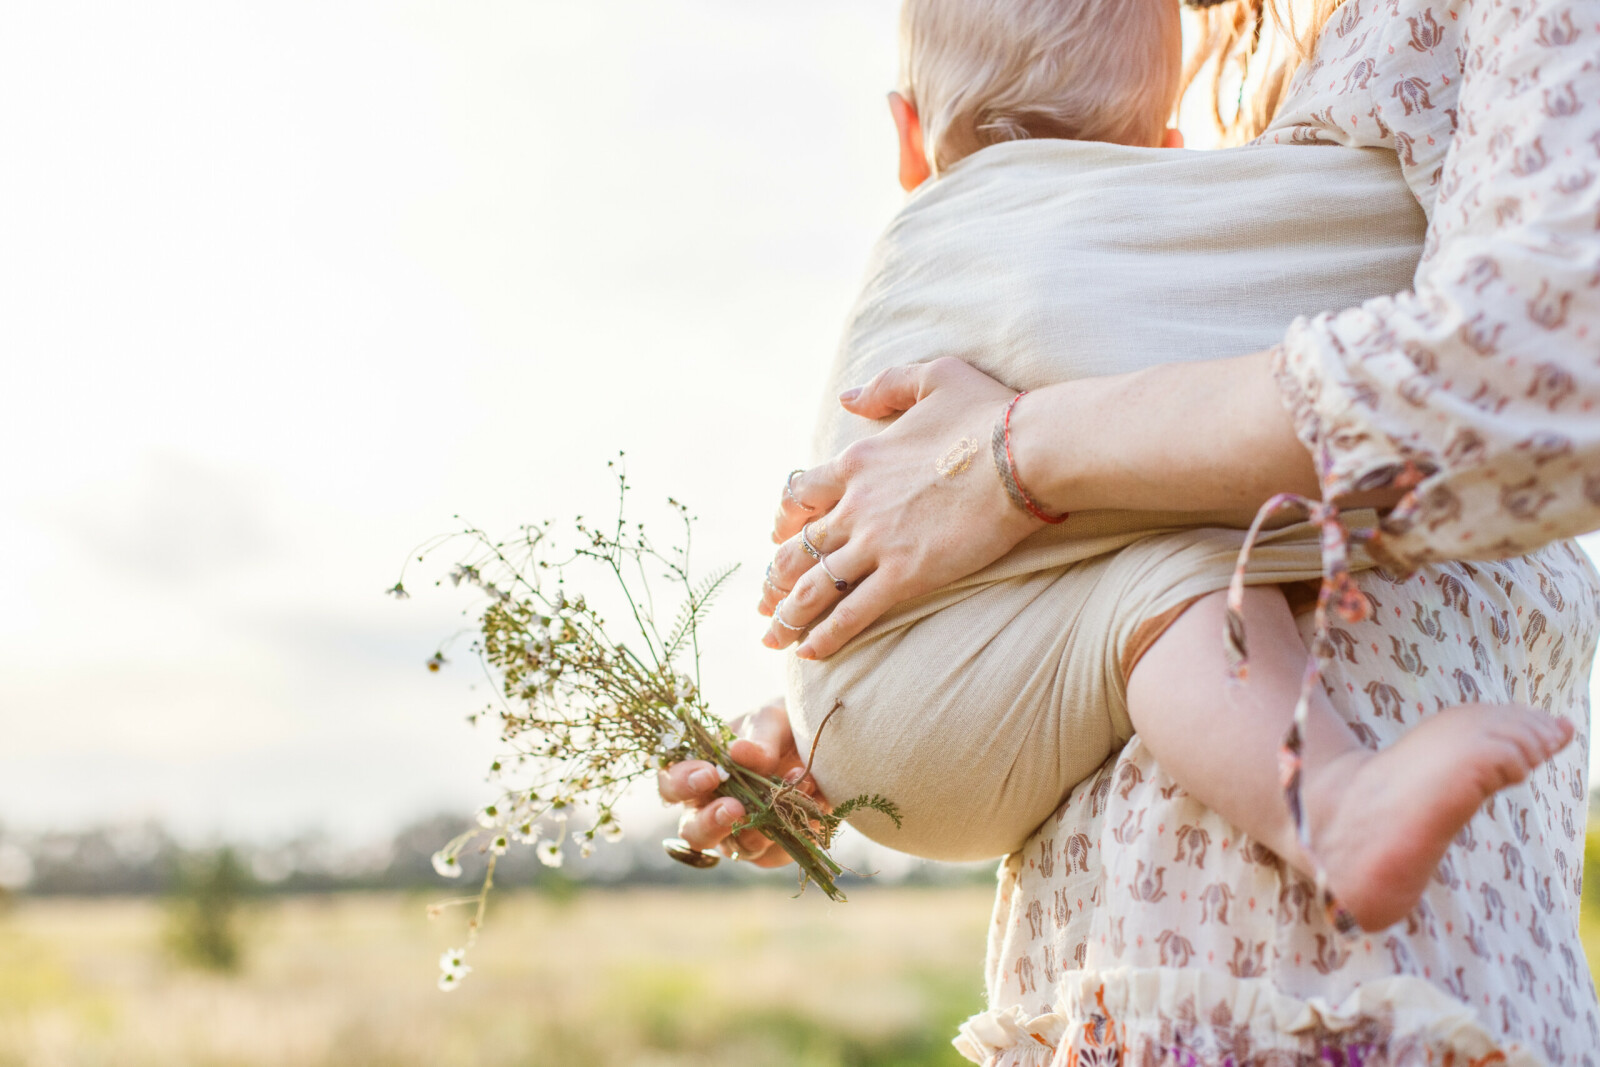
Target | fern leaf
(695,606)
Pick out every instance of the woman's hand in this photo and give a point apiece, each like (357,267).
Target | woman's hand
(898,514)
(766,746)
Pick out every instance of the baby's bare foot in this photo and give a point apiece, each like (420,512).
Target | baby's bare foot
(1381,821)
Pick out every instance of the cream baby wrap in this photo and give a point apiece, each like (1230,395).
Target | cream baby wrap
(978,707)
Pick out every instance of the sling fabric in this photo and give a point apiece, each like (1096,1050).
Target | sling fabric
(977,708)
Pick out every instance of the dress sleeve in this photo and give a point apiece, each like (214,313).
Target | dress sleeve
(1480,389)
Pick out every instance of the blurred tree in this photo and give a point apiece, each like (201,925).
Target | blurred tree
(203,926)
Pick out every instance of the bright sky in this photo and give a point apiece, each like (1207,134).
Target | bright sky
(285,286)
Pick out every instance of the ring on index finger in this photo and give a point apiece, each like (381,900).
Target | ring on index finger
(788,491)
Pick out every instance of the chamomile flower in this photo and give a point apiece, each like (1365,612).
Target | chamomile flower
(398,591)
(436,661)
(499,845)
(550,853)
(452,969)
(671,737)
(489,817)
(447,864)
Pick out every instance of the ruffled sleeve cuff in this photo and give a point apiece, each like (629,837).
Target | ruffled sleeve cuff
(1336,415)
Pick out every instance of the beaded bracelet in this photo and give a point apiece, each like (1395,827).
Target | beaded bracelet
(1007,466)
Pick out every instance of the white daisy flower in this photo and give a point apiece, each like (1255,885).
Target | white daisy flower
(671,737)
(447,865)
(489,817)
(452,968)
(526,831)
(550,853)
(499,845)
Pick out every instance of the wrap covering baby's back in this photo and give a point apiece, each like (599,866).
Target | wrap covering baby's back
(977,707)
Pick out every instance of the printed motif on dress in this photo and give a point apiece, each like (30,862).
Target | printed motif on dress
(1488,373)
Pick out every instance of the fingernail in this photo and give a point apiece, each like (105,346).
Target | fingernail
(806,652)
(775,538)
(724,817)
(770,641)
(849,395)
(704,781)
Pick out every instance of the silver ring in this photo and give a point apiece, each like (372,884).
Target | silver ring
(777,617)
(688,855)
(805,543)
(788,490)
(838,582)
(767,581)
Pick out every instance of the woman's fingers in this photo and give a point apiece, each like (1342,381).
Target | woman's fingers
(891,392)
(690,782)
(789,564)
(706,828)
(860,609)
(811,596)
(792,562)
(766,743)
(806,496)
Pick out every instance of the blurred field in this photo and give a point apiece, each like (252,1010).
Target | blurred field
(643,978)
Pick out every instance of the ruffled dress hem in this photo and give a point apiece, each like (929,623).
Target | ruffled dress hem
(1190,1018)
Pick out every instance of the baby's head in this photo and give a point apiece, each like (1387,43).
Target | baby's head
(977,72)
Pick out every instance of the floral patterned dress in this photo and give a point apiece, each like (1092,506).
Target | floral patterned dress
(1136,927)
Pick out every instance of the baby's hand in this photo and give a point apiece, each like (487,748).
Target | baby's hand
(766,746)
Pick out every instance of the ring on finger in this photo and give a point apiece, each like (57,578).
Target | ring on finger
(767,581)
(805,542)
(838,582)
(777,617)
(788,490)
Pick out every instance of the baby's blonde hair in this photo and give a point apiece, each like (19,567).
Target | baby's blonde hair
(984,71)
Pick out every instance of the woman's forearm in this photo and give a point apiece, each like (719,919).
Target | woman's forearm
(1178,437)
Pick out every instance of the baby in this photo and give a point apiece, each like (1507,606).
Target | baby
(1051,237)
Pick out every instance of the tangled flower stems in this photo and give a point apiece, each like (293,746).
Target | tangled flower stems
(586,708)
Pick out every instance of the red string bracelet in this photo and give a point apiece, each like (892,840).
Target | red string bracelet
(1013,484)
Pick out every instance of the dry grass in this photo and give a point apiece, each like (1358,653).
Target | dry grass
(645,978)
(642,978)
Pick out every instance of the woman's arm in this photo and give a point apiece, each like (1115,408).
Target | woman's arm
(1485,379)
(1178,437)
(1194,436)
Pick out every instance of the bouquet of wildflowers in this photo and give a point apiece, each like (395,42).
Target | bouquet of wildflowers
(584,714)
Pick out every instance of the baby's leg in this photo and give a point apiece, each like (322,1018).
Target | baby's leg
(1380,822)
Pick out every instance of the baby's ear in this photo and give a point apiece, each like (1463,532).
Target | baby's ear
(914,169)
(1173,138)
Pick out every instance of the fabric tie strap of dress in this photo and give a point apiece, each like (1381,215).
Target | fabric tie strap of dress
(1340,593)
